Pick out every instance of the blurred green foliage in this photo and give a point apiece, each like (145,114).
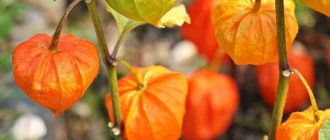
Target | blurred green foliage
(10,10)
(304,15)
(5,62)
(5,137)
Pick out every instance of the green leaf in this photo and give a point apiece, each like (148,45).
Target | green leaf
(324,133)
(160,14)
(149,11)
(124,24)
(176,16)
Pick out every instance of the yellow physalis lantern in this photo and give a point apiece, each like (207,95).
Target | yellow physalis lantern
(322,6)
(247,30)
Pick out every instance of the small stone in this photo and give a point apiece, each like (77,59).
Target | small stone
(182,52)
(29,126)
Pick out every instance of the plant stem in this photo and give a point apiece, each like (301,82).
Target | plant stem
(277,115)
(110,63)
(130,69)
(56,36)
(256,7)
(112,72)
(310,93)
(284,70)
(118,44)
(126,65)
(99,30)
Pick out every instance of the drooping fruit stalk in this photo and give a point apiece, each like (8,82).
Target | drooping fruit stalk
(53,46)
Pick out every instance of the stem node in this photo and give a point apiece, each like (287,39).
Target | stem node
(286,73)
(111,61)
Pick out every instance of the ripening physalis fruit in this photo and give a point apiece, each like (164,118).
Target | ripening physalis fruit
(302,126)
(267,77)
(159,13)
(212,102)
(201,31)
(152,102)
(322,6)
(56,80)
(248,33)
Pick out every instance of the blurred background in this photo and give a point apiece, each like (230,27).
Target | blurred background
(21,118)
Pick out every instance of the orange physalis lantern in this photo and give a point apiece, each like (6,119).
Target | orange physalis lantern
(268,74)
(212,102)
(201,31)
(302,126)
(322,6)
(152,102)
(247,31)
(56,80)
